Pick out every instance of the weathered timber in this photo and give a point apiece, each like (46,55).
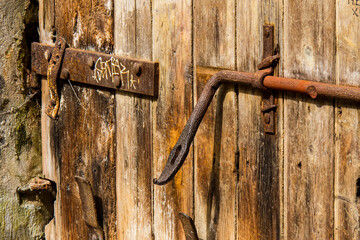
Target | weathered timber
(308,125)
(133,38)
(215,142)
(259,161)
(347,126)
(82,140)
(172,47)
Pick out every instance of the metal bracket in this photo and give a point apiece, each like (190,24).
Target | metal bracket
(268,99)
(93,68)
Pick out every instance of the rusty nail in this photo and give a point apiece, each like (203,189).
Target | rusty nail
(90,62)
(267,118)
(137,69)
(117,81)
(34,80)
(47,55)
(311,90)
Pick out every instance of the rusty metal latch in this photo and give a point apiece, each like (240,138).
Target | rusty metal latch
(262,80)
(52,75)
(93,68)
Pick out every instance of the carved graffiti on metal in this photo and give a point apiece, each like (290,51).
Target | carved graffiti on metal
(111,68)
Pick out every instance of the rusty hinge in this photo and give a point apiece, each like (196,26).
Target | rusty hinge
(93,68)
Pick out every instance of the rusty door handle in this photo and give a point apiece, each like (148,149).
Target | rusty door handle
(260,80)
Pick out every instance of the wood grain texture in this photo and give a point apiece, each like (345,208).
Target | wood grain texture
(215,142)
(172,47)
(83,137)
(49,166)
(347,121)
(260,158)
(309,52)
(133,35)
(248,55)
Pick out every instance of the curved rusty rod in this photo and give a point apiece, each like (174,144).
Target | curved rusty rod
(260,80)
(181,148)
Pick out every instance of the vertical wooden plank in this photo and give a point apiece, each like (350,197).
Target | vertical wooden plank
(133,38)
(172,47)
(215,142)
(309,52)
(248,55)
(83,136)
(271,145)
(46,27)
(347,165)
(260,157)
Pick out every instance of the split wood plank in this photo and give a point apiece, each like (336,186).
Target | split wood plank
(46,28)
(133,38)
(347,125)
(309,30)
(83,136)
(172,48)
(215,142)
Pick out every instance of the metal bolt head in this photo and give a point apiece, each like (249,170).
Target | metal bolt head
(47,55)
(137,69)
(90,63)
(267,118)
(117,81)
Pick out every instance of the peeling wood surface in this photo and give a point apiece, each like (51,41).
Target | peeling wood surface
(347,126)
(215,142)
(133,127)
(309,53)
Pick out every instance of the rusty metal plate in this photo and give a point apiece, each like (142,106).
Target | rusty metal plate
(99,69)
(268,99)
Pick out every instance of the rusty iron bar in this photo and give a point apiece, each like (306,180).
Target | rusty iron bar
(261,80)
(313,89)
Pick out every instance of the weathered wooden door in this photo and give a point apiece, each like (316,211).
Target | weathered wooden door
(238,182)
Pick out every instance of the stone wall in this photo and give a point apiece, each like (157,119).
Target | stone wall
(22,216)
